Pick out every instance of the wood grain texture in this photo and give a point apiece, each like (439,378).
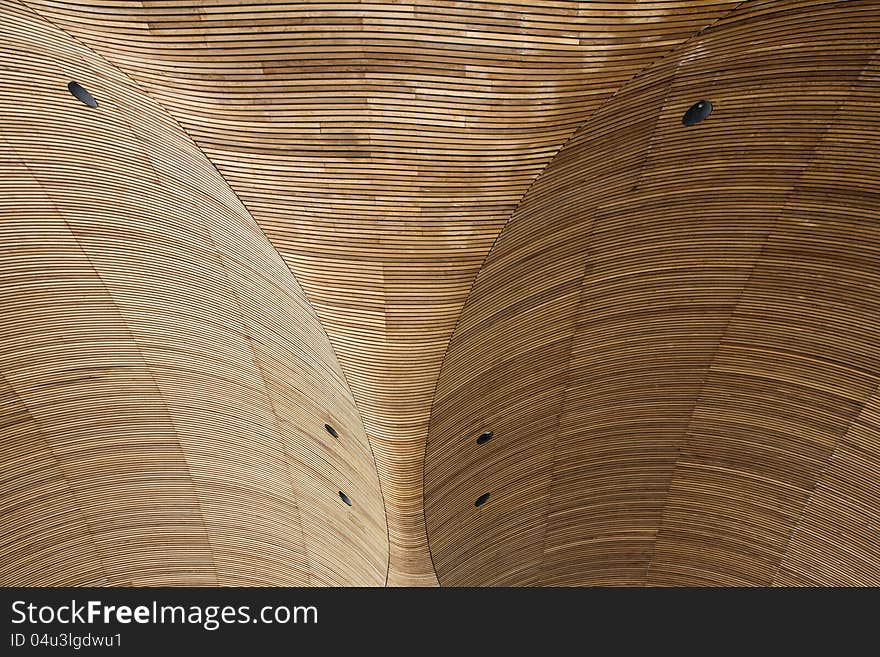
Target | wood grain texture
(164,383)
(381,146)
(675,339)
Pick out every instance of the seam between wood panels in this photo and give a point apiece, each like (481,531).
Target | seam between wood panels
(277,420)
(819,480)
(840,438)
(66,480)
(682,445)
(134,341)
(565,397)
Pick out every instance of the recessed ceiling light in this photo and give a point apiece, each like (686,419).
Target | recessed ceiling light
(481,500)
(80,93)
(331,431)
(485,437)
(344,498)
(697,113)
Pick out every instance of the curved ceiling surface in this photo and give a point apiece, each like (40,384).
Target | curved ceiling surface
(164,384)
(673,339)
(381,146)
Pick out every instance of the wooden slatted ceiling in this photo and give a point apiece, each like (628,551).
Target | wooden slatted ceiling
(676,339)
(163,381)
(381,146)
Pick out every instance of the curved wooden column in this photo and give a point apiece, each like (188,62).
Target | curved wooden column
(164,383)
(675,340)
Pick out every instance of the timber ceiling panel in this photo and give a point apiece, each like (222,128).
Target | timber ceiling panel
(675,339)
(165,383)
(381,146)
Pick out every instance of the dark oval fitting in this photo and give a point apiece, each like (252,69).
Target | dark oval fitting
(697,113)
(485,437)
(80,93)
(481,500)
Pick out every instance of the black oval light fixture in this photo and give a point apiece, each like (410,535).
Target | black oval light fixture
(80,93)
(697,113)
(485,437)
(344,498)
(331,431)
(481,500)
